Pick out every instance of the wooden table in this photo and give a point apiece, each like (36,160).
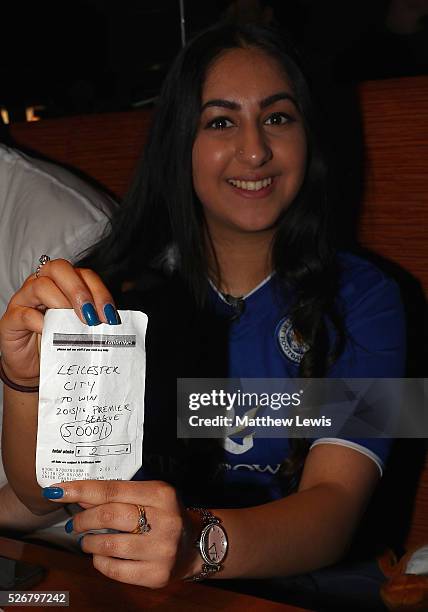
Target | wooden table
(91,591)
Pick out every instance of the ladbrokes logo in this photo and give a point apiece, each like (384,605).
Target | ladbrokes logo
(98,340)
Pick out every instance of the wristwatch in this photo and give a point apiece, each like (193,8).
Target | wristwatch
(212,544)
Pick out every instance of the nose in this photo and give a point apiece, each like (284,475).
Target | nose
(252,147)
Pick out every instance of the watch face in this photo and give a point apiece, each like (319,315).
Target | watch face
(213,544)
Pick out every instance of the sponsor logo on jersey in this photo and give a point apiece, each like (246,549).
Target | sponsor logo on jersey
(252,467)
(238,448)
(290,345)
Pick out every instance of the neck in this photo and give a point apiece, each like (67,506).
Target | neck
(239,263)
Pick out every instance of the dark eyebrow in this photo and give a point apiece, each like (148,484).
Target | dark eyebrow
(223,103)
(283,95)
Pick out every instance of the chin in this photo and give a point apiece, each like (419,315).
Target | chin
(244,223)
(255,227)
(260,223)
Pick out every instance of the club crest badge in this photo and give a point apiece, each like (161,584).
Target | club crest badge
(292,348)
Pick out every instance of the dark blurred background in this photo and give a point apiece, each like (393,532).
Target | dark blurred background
(66,57)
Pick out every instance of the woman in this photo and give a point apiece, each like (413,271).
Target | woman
(232,194)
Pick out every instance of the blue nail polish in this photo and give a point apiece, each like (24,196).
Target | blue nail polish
(53,492)
(111,314)
(69,526)
(90,314)
(79,542)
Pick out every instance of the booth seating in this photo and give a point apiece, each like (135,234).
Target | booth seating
(392,226)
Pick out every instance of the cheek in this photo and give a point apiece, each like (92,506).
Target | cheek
(294,157)
(209,162)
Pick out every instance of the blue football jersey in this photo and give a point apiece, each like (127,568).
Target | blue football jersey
(261,345)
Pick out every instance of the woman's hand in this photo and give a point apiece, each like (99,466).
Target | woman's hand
(152,559)
(59,285)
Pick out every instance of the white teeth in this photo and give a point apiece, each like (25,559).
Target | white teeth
(251,185)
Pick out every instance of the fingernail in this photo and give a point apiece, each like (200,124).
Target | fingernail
(79,542)
(90,314)
(69,526)
(111,314)
(53,493)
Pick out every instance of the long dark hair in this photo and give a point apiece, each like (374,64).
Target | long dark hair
(162,208)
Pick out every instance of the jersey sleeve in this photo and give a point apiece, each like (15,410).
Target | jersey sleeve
(375,342)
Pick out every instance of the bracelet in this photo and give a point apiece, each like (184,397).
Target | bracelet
(15,386)
(212,544)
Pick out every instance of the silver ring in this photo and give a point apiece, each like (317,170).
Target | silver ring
(42,261)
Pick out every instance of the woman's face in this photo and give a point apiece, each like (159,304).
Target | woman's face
(249,154)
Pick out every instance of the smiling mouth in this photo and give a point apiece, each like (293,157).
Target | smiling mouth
(251,185)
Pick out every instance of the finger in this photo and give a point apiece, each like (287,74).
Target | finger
(77,292)
(20,321)
(126,518)
(123,517)
(127,546)
(40,292)
(152,493)
(142,573)
(20,332)
(103,299)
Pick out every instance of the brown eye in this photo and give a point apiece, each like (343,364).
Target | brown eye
(220,123)
(278,119)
